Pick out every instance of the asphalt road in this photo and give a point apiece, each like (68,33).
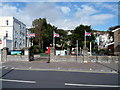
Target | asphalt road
(58,79)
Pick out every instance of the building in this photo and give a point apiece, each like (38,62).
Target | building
(116,31)
(28,40)
(103,38)
(12,33)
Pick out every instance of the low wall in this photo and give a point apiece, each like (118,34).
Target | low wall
(17,58)
(101,59)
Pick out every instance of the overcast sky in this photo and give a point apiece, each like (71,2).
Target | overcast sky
(64,15)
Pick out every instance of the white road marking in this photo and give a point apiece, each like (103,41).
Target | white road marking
(70,84)
(6,68)
(17,81)
(30,67)
(13,68)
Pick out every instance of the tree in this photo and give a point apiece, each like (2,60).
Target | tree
(79,34)
(62,39)
(39,25)
(43,33)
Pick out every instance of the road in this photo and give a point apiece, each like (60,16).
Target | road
(12,78)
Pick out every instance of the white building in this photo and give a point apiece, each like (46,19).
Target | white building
(28,43)
(103,40)
(12,33)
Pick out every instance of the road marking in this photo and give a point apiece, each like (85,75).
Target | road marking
(37,69)
(71,84)
(17,81)
(13,68)
(30,67)
(6,68)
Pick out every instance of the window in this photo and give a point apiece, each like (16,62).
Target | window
(15,44)
(7,22)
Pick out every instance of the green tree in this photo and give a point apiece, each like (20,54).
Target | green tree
(39,25)
(79,34)
(62,39)
(43,33)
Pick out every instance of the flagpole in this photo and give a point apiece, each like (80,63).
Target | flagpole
(90,49)
(85,38)
(54,42)
(53,39)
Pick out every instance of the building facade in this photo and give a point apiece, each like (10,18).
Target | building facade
(116,40)
(103,39)
(12,33)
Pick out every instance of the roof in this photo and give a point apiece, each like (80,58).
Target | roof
(110,44)
(115,27)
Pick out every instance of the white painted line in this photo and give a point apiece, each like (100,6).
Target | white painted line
(13,68)
(3,66)
(30,67)
(6,68)
(17,81)
(70,84)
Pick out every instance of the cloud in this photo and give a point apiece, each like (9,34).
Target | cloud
(85,11)
(109,6)
(60,0)
(85,14)
(65,10)
(32,11)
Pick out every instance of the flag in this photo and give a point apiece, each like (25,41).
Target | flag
(32,34)
(87,34)
(56,35)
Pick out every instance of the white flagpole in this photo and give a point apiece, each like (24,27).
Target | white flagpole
(53,39)
(85,38)
(90,49)
(77,47)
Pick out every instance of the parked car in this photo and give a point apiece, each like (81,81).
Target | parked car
(73,53)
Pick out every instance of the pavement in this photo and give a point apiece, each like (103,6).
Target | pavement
(62,66)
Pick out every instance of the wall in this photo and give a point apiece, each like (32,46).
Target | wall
(102,59)
(19,34)
(16,33)
(117,42)
(17,58)
(6,28)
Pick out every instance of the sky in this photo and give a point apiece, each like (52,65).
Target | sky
(64,15)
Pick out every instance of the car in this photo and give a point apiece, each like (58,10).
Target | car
(73,53)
